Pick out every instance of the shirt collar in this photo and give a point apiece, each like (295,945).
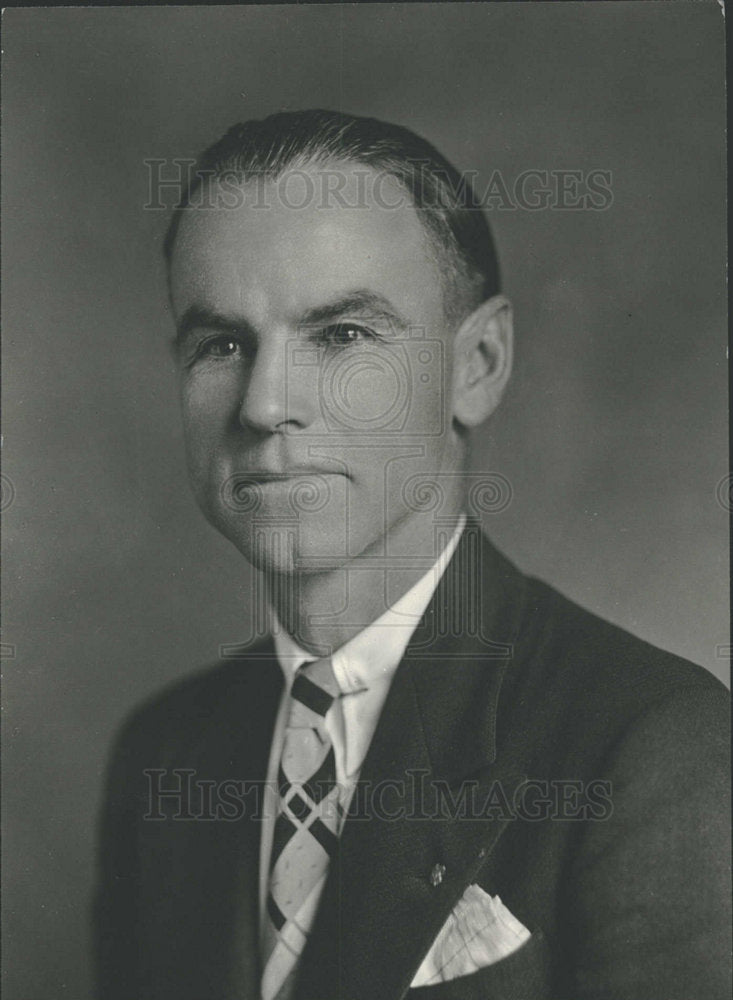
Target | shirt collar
(372,655)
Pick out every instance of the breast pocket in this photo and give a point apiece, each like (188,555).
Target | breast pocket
(523,975)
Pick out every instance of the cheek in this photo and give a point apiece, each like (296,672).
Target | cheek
(398,389)
(208,402)
(429,395)
(207,411)
(361,391)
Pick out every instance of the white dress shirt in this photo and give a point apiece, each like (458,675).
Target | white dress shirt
(364,668)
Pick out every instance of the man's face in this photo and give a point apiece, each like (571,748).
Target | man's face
(314,366)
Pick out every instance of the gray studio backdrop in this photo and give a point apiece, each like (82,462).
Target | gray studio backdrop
(612,436)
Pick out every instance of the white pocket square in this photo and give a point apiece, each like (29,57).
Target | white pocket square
(479,931)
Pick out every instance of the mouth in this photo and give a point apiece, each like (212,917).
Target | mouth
(263,477)
(297,489)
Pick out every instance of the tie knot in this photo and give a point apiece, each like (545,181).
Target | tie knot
(315,686)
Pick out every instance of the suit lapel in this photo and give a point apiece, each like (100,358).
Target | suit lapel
(418,828)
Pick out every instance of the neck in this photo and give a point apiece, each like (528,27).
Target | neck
(323,610)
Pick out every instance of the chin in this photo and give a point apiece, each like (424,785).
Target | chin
(311,544)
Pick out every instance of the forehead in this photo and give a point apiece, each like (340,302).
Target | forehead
(301,240)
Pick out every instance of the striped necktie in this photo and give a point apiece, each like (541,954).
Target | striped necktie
(306,828)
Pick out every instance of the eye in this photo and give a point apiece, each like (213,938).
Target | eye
(219,347)
(345,334)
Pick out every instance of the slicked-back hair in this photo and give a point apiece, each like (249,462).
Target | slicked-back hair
(445,201)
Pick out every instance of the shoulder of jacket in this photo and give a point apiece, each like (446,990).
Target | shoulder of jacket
(181,704)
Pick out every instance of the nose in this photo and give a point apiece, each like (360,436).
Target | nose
(278,396)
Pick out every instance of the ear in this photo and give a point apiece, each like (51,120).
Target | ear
(482,361)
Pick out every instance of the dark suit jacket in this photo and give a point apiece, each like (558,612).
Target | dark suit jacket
(525,745)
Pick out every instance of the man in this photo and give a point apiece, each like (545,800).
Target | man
(438,778)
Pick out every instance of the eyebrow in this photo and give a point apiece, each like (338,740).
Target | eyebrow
(360,301)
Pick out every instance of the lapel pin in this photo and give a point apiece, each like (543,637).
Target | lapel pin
(436,875)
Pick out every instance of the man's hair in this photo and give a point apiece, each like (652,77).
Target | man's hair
(444,200)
